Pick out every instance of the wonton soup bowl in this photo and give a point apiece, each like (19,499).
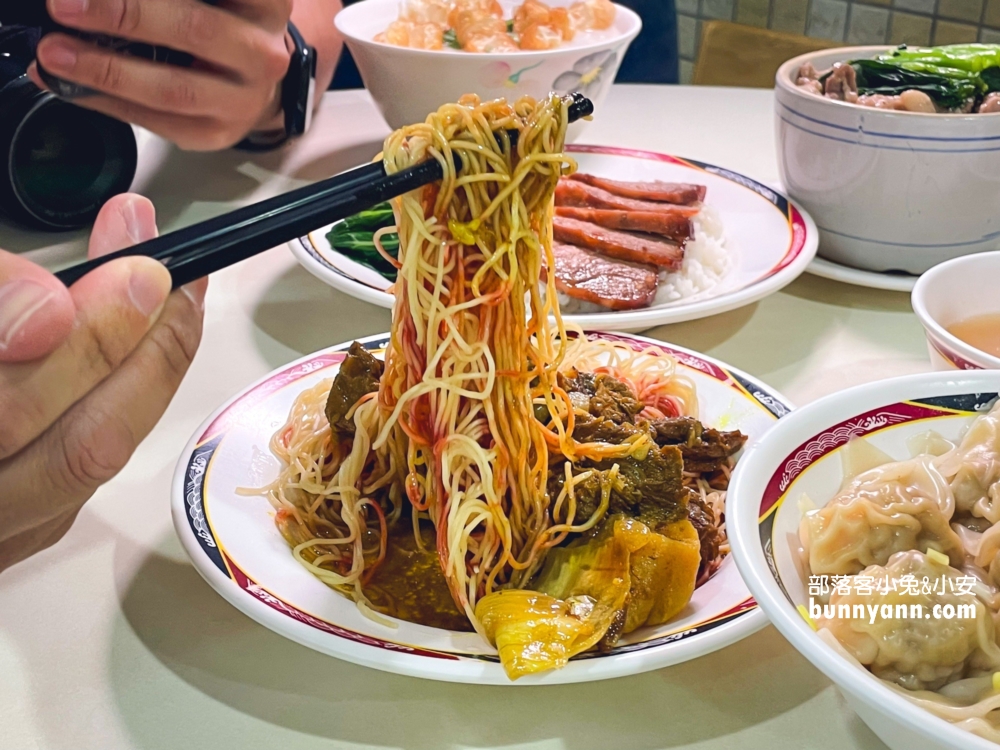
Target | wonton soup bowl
(408,84)
(890,191)
(801,455)
(949,293)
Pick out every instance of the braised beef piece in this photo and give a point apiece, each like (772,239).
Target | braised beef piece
(601,430)
(358,376)
(610,403)
(676,431)
(606,397)
(705,450)
(651,490)
(703,520)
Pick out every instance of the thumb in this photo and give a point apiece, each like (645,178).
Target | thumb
(36,310)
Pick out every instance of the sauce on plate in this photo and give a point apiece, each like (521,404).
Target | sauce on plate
(409,584)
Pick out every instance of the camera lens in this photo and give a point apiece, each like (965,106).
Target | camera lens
(61,162)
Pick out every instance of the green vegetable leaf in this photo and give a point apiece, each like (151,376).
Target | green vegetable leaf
(370,220)
(971,58)
(949,88)
(991,77)
(451,39)
(354,238)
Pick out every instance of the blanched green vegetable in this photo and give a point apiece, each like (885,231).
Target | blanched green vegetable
(951,75)
(991,77)
(972,58)
(354,237)
(949,88)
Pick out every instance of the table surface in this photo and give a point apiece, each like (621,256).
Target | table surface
(111,639)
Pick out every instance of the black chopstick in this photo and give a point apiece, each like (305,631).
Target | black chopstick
(200,249)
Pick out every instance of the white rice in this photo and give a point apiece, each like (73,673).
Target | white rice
(707,261)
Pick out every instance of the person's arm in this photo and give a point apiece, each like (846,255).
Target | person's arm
(314,18)
(85,374)
(234,87)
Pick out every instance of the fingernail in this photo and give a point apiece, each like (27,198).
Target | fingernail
(58,55)
(19,301)
(139,229)
(146,292)
(69,8)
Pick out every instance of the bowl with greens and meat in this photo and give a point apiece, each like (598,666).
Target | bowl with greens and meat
(894,151)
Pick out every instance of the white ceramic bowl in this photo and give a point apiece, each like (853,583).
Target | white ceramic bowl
(949,293)
(408,84)
(799,455)
(890,191)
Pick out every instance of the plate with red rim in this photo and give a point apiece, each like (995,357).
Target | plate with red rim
(771,241)
(232,540)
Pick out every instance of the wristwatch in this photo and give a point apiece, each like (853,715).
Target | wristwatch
(298,94)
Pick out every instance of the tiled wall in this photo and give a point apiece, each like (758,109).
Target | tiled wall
(848,21)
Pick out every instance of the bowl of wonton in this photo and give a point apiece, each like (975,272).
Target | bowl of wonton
(867,527)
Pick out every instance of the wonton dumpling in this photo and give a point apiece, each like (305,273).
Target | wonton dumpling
(899,506)
(975,466)
(922,653)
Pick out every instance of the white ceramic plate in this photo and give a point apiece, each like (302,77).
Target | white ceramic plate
(893,282)
(233,542)
(772,241)
(802,456)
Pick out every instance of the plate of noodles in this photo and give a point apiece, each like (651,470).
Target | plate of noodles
(486,493)
(238,489)
(640,239)
(866,525)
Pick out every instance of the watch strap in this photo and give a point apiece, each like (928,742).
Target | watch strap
(298,92)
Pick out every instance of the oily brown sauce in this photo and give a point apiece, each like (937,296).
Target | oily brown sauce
(409,584)
(980,331)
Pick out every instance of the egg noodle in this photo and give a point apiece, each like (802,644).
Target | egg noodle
(452,434)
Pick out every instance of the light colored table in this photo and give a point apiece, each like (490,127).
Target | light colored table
(111,640)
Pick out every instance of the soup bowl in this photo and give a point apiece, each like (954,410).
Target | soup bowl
(801,456)
(407,84)
(949,293)
(890,191)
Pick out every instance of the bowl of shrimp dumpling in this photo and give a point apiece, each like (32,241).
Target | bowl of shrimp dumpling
(867,527)
(415,55)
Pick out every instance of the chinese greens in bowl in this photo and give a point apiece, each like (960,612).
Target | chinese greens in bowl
(951,79)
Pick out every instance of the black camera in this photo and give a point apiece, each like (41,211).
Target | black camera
(60,162)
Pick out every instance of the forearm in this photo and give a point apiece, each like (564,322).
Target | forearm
(314,19)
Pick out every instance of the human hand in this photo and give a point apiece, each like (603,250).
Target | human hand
(85,374)
(233,88)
